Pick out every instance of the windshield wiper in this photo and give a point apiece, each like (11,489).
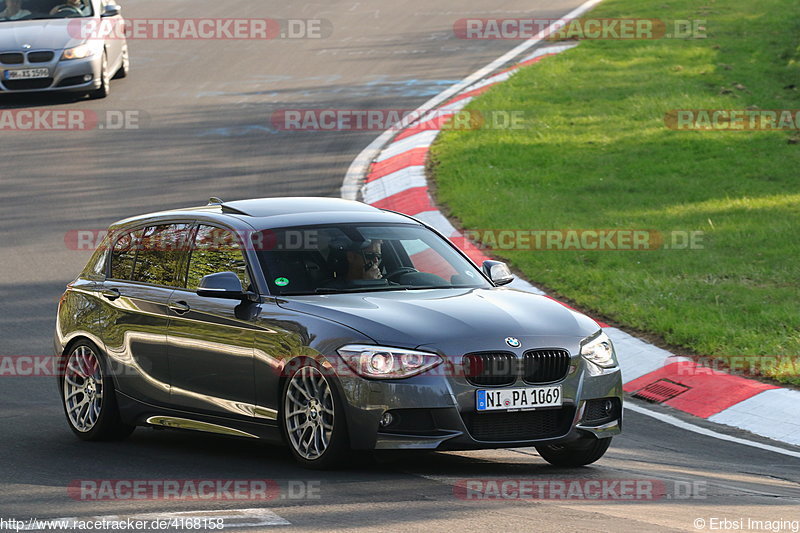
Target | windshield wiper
(331,290)
(418,288)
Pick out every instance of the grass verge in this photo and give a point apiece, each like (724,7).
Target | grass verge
(594,153)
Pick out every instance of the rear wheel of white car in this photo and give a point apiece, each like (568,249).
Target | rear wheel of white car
(88,396)
(313,418)
(578,453)
(105,79)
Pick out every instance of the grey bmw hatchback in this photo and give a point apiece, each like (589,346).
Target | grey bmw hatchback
(330,326)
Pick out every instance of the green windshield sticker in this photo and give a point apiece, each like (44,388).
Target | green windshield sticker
(281,282)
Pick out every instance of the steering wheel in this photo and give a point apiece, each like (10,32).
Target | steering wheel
(400,271)
(69,10)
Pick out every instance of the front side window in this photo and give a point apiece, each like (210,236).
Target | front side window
(356,257)
(216,250)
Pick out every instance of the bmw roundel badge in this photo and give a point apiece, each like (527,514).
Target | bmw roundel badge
(513,342)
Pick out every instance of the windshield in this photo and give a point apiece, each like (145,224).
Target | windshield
(361,258)
(13,10)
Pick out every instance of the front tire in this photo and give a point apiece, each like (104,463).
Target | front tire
(105,80)
(125,67)
(313,420)
(88,396)
(579,453)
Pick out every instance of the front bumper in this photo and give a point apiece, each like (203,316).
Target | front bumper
(64,76)
(437,412)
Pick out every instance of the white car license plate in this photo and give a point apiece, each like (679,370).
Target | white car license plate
(27,73)
(527,398)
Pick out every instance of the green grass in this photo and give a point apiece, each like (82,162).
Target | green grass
(595,153)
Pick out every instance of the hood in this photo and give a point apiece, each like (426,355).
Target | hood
(49,34)
(452,320)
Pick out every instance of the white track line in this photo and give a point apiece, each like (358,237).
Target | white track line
(358,168)
(671,420)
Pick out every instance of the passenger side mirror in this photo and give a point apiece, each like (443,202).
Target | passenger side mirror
(111,10)
(222,285)
(498,272)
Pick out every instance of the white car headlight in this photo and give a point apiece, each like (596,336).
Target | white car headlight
(380,362)
(79,52)
(599,350)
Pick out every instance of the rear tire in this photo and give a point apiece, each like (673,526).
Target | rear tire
(579,453)
(88,396)
(313,420)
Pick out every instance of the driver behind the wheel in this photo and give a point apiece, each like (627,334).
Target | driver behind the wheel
(70,6)
(364,263)
(355,261)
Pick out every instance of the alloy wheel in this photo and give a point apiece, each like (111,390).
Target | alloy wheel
(83,388)
(309,412)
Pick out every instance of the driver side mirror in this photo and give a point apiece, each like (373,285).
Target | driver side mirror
(111,10)
(222,285)
(498,272)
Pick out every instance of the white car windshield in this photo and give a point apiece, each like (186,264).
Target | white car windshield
(15,10)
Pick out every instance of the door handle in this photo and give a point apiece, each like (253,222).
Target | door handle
(111,294)
(179,307)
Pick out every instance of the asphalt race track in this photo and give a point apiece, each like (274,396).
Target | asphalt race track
(204,111)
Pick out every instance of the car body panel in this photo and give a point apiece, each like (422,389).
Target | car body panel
(211,355)
(224,362)
(135,338)
(436,316)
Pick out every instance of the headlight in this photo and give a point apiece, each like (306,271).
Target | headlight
(379,362)
(599,350)
(79,52)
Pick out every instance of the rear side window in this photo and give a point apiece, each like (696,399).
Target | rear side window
(96,267)
(216,250)
(124,254)
(159,254)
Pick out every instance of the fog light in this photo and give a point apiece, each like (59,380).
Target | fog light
(608,406)
(87,77)
(387,419)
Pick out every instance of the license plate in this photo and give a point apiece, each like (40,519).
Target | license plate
(518,399)
(27,74)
